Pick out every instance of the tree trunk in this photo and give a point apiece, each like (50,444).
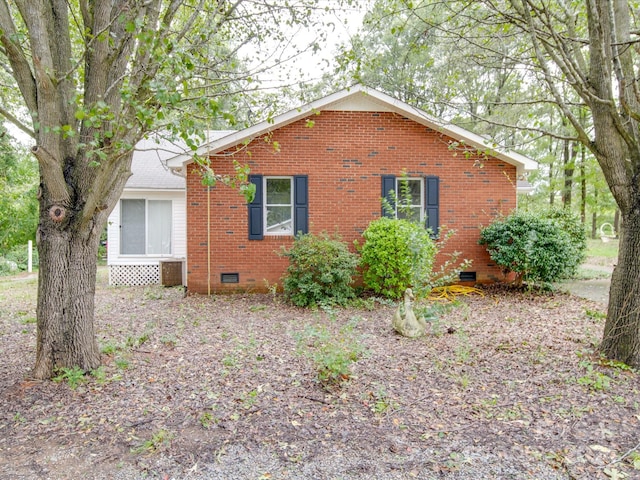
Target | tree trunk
(552,192)
(621,339)
(583,188)
(569,156)
(68,249)
(72,217)
(594,215)
(66,288)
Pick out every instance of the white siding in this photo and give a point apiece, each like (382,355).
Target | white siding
(178,231)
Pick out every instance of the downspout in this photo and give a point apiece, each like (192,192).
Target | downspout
(208,219)
(209,240)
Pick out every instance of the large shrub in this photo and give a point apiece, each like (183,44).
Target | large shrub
(320,272)
(570,223)
(396,254)
(538,247)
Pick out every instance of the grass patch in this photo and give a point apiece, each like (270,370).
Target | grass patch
(590,274)
(158,441)
(598,248)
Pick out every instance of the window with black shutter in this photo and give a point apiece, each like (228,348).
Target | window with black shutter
(280,206)
(425,206)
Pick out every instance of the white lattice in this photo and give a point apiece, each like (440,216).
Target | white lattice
(129,275)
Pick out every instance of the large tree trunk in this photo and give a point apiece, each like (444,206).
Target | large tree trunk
(614,108)
(569,159)
(552,191)
(66,288)
(621,339)
(583,188)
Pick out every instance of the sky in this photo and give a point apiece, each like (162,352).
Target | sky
(312,64)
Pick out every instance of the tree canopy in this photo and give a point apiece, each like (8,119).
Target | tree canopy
(87,80)
(18,203)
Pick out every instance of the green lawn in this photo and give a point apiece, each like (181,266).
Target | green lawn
(598,248)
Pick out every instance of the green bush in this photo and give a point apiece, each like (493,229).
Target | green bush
(396,254)
(320,271)
(538,247)
(570,223)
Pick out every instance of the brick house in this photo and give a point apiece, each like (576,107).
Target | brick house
(325,167)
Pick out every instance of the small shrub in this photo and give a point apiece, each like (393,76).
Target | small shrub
(449,271)
(593,379)
(122,363)
(320,271)
(100,375)
(206,420)
(381,402)
(73,376)
(535,246)
(396,254)
(110,348)
(158,441)
(332,355)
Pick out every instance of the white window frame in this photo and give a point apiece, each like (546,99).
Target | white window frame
(289,232)
(399,195)
(146,228)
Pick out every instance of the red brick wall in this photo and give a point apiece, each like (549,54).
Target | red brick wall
(344,155)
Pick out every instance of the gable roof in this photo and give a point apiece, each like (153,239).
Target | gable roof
(365,99)
(149,170)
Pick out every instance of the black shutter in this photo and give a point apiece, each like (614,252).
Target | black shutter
(388,184)
(256,231)
(432,203)
(301,204)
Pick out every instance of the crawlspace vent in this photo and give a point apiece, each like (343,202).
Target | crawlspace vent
(230,278)
(467,276)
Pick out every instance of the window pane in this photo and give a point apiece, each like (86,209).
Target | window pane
(410,199)
(159,227)
(415,187)
(410,190)
(412,214)
(278,191)
(279,220)
(278,206)
(132,235)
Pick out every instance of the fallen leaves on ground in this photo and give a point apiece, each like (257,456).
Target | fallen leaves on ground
(191,386)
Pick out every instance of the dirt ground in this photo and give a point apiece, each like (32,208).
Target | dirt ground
(505,386)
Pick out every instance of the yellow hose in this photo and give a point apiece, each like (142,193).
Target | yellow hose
(450,292)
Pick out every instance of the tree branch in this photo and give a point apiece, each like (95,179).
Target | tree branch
(53,176)
(14,120)
(582,135)
(18,60)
